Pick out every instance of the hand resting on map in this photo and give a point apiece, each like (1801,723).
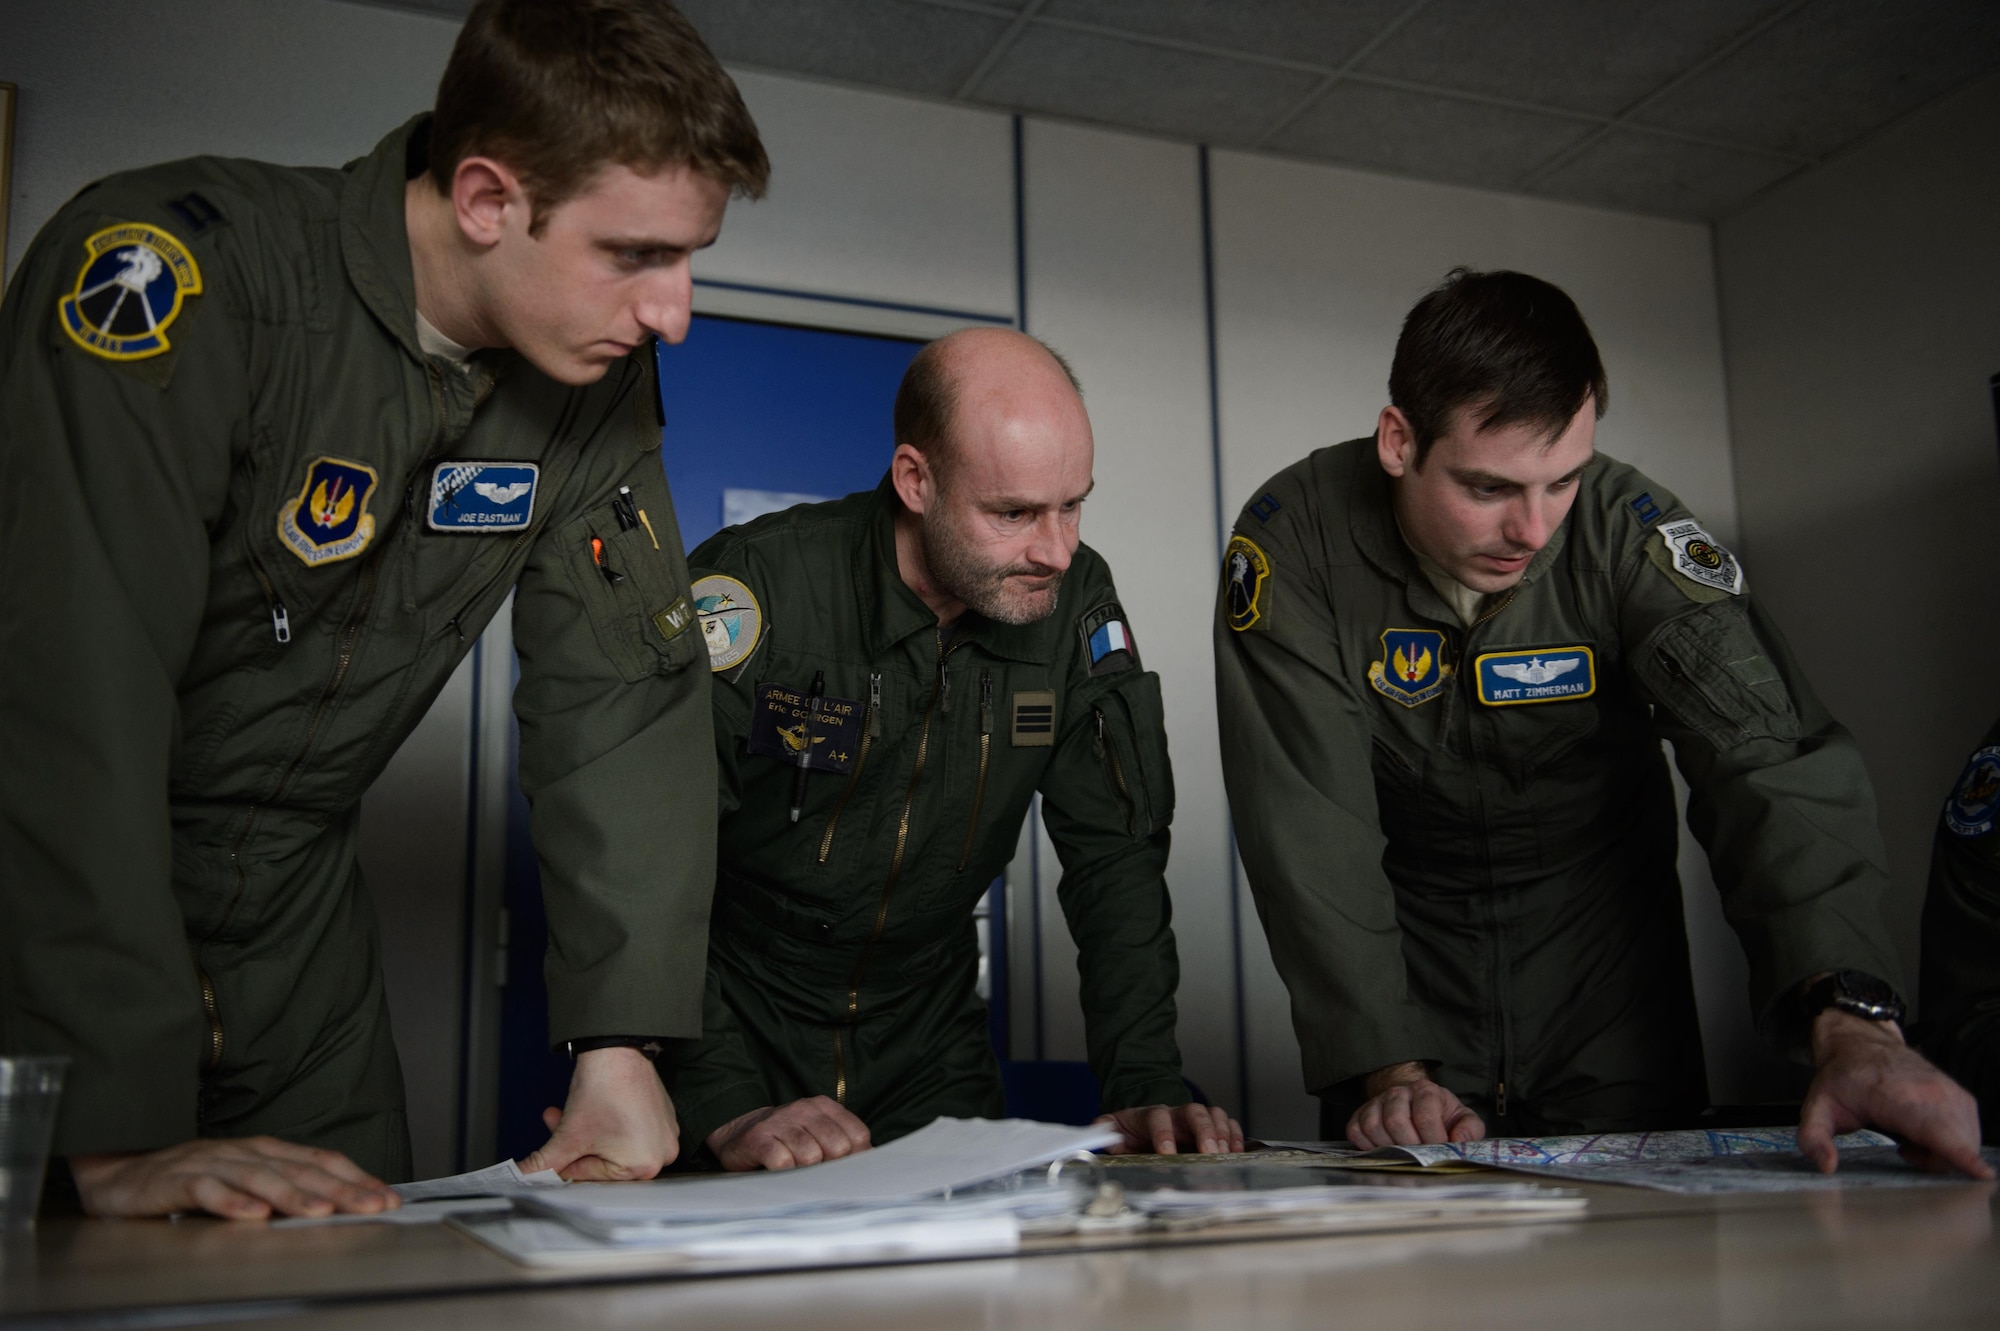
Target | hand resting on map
(1869,1078)
(1406,1108)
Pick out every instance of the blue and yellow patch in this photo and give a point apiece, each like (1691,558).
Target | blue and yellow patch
(1537,674)
(1975,800)
(129,292)
(1412,669)
(1245,568)
(329,521)
(482,496)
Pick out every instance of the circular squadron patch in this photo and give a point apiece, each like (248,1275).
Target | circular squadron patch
(1699,558)
(129,291)
(731,620)
(1245,568)
(1976,798)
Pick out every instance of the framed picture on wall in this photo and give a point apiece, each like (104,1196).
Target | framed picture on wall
(7,95)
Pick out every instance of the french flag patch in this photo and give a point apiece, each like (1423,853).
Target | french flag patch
(1107,642)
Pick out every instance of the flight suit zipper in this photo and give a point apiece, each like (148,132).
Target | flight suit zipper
(1107,753)
(895,866)
(281,620)
(213,1059)
(985,751)
(1499,961)
(871,726)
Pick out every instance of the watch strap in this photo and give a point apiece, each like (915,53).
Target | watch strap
(1856,992)
(649,1045)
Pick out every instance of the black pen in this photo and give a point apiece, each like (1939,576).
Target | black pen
(817,692)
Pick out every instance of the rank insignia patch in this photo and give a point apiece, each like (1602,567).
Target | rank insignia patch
(1107,643)
(129,291)
(1699,559)
(782,725)
(329,521)
(1645,509)
(482,496)
(1034,720)
(731,620)
(1976,798)
(1245,569)
(1540,674)
(1412,670)
(1266,507)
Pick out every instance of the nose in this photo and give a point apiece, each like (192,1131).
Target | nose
(1529,523)
(666,302)
(1053,543)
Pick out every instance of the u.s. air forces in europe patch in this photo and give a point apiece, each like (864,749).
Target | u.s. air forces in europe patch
(731,620)
(129,292)
(329,521)
(1412,669)
(1246,570)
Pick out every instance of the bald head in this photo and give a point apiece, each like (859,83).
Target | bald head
(994,374)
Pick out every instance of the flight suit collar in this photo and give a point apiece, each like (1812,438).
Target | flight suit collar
(894,613)
(1372,519)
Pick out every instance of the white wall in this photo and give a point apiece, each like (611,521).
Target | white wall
(1862,318)
(905,209)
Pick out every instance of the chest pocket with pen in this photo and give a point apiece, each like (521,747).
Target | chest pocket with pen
(634,589)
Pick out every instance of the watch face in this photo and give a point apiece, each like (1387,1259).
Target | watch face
(1860,992)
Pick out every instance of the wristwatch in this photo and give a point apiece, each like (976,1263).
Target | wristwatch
(650,1046)
(1853,991)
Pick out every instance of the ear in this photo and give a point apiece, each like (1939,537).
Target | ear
(910,473)
(1395,442)
(483,195)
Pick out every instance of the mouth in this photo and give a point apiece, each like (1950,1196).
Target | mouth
(1506,563)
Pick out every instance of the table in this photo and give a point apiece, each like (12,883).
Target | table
(1925,1257)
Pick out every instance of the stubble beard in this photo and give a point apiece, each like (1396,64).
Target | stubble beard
(957,570)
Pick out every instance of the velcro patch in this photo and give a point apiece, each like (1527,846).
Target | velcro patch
(1700,559)
(1975,800)
(1412,670)
(329,521)
(129,291)
(783,725)
(731,620)
(1034,724)
(674,620)
(1245,570)
(487,497)
(1536,674)
(1264,507)
(1107,642)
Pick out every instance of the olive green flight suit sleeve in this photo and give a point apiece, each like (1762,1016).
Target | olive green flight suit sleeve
(1107,801)
(1959,986)
(617,758)
(110,476)
(1777,792)
(717,1078)
(1296,762)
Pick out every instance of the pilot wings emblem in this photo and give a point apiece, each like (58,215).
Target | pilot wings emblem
(501,495)
(1536,670)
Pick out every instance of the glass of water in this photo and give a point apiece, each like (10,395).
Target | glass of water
(30,1091)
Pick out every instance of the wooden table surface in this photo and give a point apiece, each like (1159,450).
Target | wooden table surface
(1921,1257)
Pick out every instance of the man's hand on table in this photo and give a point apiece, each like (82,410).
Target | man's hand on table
(803,1132)
(1869,1078)
(1406,1108)
(1170,1129)
(618,1123)
(243,1178)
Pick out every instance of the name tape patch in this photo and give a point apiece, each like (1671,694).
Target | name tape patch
(1539,674)
(1034,724)
(329,521)
(1412,670)
(783,725)
(487,497)
(731,620)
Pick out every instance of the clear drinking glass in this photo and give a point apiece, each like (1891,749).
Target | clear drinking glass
(30,1090)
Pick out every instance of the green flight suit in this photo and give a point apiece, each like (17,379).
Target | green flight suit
(843,955)
(224,606)
(1958,982)
(1462,840)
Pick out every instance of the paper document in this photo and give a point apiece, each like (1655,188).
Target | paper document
(498,1180)
(1602,1148)
(949,1155)
(1776,1171)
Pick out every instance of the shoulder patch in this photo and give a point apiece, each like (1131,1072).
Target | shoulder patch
(329,521)
(1264,507)
(1645,509)
(134,280)
(1412,670)
(732,622)
(1245,571)
(482,496)
(1975,800)
(1697,556)
(1107,642)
